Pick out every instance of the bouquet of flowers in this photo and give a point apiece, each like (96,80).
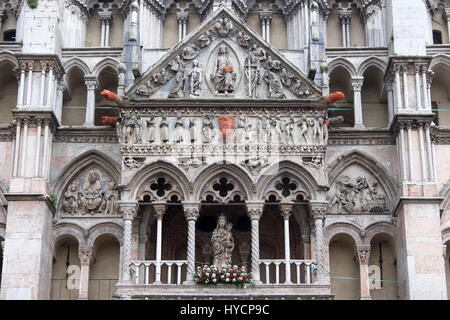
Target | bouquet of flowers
(213,275)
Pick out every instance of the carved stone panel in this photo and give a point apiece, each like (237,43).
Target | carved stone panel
(355,190)
(92,193)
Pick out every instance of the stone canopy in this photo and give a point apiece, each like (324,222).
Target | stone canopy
(223,58)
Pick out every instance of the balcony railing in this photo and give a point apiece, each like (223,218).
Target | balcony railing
(173,272)
(301,271)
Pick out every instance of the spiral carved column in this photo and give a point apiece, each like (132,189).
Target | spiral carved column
(255,211)
(318,216)
(129,211)
(191,212)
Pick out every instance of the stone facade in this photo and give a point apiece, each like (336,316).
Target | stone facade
(222,108)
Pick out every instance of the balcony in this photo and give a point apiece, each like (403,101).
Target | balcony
(173,284)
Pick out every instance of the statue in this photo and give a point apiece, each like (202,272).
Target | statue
(263,126)
(242,39)
(151,129)
(112,198)
(240,127)
(204,40)
(274,85)
(178,88)
(164,129)
(274,131)
(223,77)
(179,129)
(132,126)
(191,126)
(195,78)
(70,202)
(290,131)
(222,243)
(252,72)
(207,129)
(92,194)
(304,128)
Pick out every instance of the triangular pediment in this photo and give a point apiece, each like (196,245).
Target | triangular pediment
(223,58)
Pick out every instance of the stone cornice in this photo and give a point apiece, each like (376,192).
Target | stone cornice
(339,137)
(413,121)
(402,200)
(39,58)
(440,135)
(32,197)
(34,117)
(86,135)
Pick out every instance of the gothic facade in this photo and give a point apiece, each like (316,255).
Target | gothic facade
(128,127)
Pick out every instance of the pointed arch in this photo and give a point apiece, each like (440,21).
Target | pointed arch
(235,172)
(162,168)
(107,62)
(375,168)
(81,163)
(9,56)
(77,62)
(291,168)
(440,59)
(372,62)
(343,63)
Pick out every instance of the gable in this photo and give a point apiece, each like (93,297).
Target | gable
(223,58)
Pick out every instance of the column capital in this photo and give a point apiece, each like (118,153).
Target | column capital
(286,210)
(182,17)
(265,16)
(363,254)
(160,209)
(105,16)
(191,210)
(255,209)
(345,15)
(318,209)
(129,209)
(86,255)
(357,83)
(90,82)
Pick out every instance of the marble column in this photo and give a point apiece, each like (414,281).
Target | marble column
(357,83)
(182,19)
(286,212)
(255,211)
(363,253)
(87,257)
(266,19)
(191,213)
(129,211)
(160,209)
(317,217)
(91,85)
(345,16)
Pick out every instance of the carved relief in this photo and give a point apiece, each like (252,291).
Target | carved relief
(195,76)
(90,195)
(357,196)
(223,77)
(256,163)
(223,26)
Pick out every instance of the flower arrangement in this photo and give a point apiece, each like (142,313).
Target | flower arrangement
(211,275)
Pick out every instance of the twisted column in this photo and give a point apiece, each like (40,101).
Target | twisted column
(129,211)
(255,211)
(286,211)
(87,257)
(317,212)
(191,212)
(160,210)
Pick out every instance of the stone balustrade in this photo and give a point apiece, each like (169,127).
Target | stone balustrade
(143,271)
(271,268)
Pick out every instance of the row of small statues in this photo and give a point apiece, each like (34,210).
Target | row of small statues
(91,198)
(270,130)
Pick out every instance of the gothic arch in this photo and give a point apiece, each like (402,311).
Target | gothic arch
(238,175)
(68,229)
(375,168)
(163,169)
(77,62)
(372,62)
(10,57)
(344,63)
(102,229)
(79,164)
(292,169)
(107,62)
(343,228)
(440,59)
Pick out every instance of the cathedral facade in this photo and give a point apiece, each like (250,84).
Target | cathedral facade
(304,141)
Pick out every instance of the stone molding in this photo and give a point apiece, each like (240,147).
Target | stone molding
(32,197)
